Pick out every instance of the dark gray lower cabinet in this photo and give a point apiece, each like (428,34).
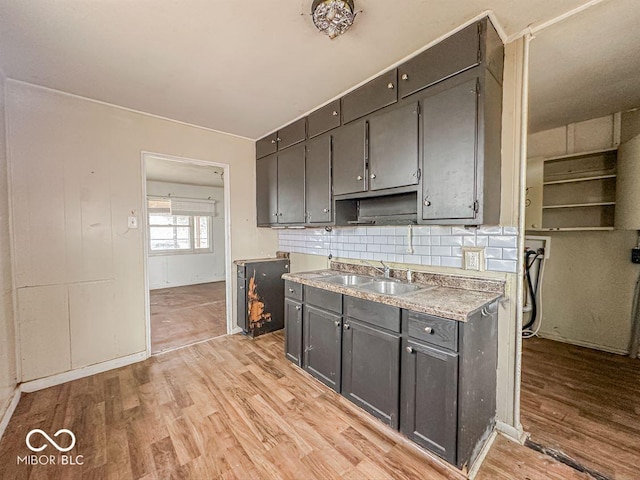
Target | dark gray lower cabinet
(371,369)
(322,341)
(293,330)
(430,398)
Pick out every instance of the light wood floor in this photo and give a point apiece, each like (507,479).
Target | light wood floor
(185,315)
(585,403)
(231,408)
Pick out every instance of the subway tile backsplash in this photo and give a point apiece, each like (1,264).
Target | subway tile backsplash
(430,245)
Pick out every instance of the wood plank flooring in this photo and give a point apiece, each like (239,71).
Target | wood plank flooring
(585,403)
(231,408)
(185,315)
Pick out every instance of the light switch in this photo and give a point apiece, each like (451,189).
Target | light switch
(133,222)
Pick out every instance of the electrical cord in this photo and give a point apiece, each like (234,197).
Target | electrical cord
(532,293)
(527,331)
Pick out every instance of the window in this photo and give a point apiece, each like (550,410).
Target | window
(171,233)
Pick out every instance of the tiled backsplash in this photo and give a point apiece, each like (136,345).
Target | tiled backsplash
(431,245)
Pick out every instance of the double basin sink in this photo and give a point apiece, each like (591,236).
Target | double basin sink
(385,286)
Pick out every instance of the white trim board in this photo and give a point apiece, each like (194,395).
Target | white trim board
(475,468)
(580,343)
(174,285)
(59,378)
(9,411)
(517,435)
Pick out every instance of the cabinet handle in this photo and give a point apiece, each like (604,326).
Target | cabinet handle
(359,177)
(427,203)
(390,86)
(298,307)
(373,175)
(326,210)
(409,349)
(337,323)
(347,326)
(334,113)
(405,76)
(428,330)
(291,290)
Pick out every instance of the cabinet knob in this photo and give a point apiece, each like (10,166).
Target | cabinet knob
(409,350)
(428,330)
(359,177)
(278,139)
(373,175)
(298,307)
(273,141)
(241,287)
(336,323)
(275,214)
(347,326)
(427,203)
(280,214)
(291,290)
(405,76)
(390,86)
(325,210)
(334,113)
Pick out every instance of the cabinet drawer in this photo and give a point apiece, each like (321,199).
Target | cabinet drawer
(293,290)
(453,55)
(324,119)
(267,145)
(372,96)
(373,313)
(292,134)
(434,330)
(323,299)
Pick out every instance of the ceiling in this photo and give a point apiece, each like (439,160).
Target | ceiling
(241,67)
(586,66)
(160,170)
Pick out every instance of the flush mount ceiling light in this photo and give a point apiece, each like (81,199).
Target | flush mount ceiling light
(332,17)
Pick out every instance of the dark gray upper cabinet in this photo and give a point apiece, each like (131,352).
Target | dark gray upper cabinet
(267,190)
(322,342)
(430,393)
(267,145)
(291,185)
(293,330)
(372,96)
(349,162)
(445,59)
(324,119)
(318,180)
(449,140)
(393,148)
(371,369)
(292,134)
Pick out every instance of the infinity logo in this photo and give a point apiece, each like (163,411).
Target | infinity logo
(50,440)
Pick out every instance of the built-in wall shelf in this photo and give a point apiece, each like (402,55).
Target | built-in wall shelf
(582,179)
(574,205)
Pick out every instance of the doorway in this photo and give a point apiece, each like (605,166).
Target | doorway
(187,259)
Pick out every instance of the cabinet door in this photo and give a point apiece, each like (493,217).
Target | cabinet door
(393,148)
(267,190)
(242,320)
(322,341)
(318,180)
(292,134)
(291,185)
(267,145)
(324,119)
(430,398)
(449,142)
(293,331)
(371,370)
(372,96)
(349,160)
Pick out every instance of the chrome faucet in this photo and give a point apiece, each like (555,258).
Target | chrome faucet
(386,270)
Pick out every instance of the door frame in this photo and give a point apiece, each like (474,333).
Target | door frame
(227,235)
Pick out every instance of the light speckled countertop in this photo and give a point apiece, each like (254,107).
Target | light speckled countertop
(435,299)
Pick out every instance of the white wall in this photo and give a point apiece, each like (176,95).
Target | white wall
(7,334)
(172,270)
(76,176)
(589,279)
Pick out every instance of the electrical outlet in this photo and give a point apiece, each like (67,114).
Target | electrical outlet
(473,258)
(133,222)
(635,255)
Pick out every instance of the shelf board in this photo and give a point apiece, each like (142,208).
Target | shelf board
(580,179)
(578,205)
(581,154)
(572,229)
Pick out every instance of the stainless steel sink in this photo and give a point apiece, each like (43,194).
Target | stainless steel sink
(389,287)
(348,280)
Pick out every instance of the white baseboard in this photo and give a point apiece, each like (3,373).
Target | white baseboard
(517,435)
(580,343)
(9,411)
(46,382)
(186,284)
(475,468)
